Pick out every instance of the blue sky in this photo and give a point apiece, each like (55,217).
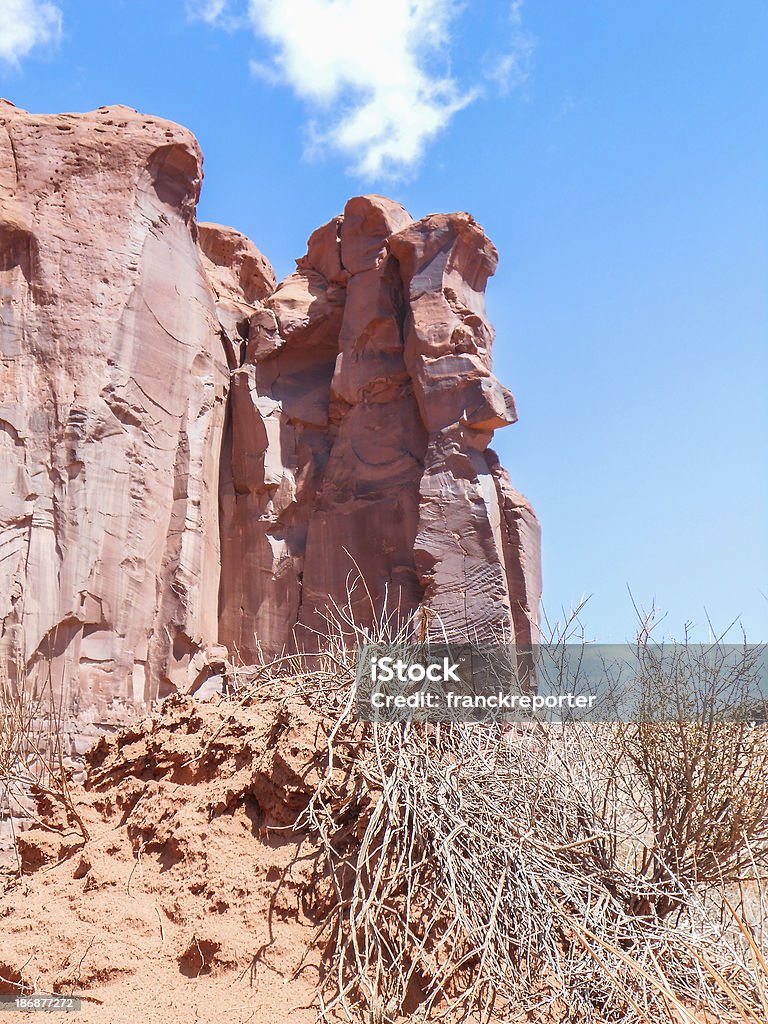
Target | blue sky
(616,153)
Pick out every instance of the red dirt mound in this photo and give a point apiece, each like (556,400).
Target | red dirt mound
(174,887)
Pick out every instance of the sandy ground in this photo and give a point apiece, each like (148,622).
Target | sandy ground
(187,900)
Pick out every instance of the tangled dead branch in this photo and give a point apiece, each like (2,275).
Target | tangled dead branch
(480,873)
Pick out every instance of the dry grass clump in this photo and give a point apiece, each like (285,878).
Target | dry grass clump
(474,882)
(486,873)
(31,746)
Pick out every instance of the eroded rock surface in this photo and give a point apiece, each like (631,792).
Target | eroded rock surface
(359,432)
(112,399)
(196,460)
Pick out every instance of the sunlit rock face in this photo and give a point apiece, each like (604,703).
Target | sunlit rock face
(113,385)
(357,448)
(196,461)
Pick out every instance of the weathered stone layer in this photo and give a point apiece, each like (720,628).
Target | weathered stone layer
(196,461)
(113,386)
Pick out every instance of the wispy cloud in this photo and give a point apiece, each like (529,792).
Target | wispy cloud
(377,77)
(511,68)
(208,10)
(25,24)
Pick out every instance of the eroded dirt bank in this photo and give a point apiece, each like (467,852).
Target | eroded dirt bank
(177,890)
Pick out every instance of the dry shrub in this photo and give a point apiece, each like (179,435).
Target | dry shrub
(686,786)
(473,881)
(481,873)
(32,756)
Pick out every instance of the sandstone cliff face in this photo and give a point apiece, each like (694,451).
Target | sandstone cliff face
(112,400)
(194,458)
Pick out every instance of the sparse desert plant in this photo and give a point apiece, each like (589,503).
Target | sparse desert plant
(32,755)
(686,784)
(480,873)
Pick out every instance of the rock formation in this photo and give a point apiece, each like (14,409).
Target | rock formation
(195,461)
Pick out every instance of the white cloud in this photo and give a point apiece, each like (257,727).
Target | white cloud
(365,67)
(376,76)
(25,24)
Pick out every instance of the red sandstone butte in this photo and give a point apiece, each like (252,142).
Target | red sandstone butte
(195,460)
